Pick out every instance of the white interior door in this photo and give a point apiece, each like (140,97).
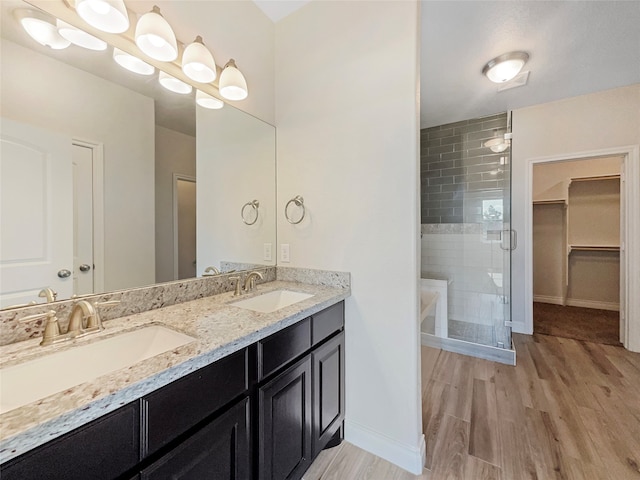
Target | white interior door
(82,161)
(185,227)
(36,231)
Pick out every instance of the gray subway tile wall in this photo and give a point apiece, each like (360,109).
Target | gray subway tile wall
(457,172)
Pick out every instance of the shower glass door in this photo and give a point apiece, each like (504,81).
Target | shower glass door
(481,296)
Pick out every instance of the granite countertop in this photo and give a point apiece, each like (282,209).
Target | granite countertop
(219,329)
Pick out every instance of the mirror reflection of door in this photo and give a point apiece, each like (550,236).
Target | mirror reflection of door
(184,227)
(83,266)
(36,243)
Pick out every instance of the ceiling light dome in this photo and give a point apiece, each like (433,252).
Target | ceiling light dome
(131,63)
(198,63)
(79,37)
(232,84)
(106,15)
(41,28)
(173,84)
(503,68)
(155,37)
(207,101)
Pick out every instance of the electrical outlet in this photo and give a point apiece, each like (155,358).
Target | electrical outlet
(284,253)
(267,252)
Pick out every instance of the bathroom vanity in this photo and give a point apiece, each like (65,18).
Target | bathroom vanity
(255,406)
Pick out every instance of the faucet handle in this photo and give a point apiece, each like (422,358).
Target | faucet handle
(37,316)
(107,303)
(51,328)
(238,290)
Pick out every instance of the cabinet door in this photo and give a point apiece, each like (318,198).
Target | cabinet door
(284,442)
(328,391)
(102,449)
(220,450)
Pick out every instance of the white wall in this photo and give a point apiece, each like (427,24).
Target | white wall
(175,153)
(604,121)
(347,118)
(235,163)
(41,91)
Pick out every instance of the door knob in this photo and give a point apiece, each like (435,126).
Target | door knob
(64,273)
(84,267)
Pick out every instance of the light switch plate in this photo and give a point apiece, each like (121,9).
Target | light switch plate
(267,252)
(284,253)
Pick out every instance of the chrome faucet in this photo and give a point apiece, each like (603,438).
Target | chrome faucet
(250,280)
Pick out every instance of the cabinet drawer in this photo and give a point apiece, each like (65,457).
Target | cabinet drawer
(221,449)
(175,408)
(280,348)
(327,322)
(102,449)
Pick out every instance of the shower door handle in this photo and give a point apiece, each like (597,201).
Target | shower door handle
(513,239)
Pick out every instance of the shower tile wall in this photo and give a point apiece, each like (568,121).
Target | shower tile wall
(457,172)
(460,241)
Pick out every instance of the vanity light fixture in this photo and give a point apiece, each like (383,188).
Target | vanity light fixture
(207,101)
(79,37)
(505,67)
(173,84)
(41,28)
(232,84)
(198,63)
(155,37)
(107,15)
(131,63)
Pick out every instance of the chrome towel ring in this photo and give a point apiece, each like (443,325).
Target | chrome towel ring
(254,207)
(299,201)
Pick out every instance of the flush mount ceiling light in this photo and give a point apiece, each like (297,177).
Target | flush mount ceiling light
(497,145)
(173,84)
(207,101)
(106,15)
(79,37)
(503,68)
(155,37)
(198,63)
(131,63)
(41,28)
(232,84)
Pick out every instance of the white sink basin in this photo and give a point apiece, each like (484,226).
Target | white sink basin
(272,301)
(33,380)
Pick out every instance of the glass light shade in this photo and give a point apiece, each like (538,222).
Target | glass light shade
(173,84)
(505,67)
(79,37)
(198,63)
(207,101)
(41,28)
(131,63)
(155,37)
(497,145)
(106,15)
(232,84)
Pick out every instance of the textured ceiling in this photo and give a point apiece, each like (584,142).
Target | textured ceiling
(575,47)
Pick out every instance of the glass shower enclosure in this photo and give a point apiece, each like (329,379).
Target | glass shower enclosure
(466,236)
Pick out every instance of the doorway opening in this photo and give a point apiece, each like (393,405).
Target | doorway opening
(184,226)
(576,232)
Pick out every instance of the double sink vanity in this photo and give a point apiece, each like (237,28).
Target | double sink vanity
(224,386)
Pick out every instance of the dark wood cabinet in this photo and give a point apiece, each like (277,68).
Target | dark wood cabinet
(328,391)
(220,450)
(264,412)
(100,450)
(284,437)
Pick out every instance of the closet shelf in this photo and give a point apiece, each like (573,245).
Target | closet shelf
(559,201)
(594,178)
(594,248)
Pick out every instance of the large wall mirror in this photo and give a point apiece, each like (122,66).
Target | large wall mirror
(111,182)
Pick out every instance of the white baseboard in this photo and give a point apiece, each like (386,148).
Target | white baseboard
(408,457)
(572,302)
(575,302)
(548,299)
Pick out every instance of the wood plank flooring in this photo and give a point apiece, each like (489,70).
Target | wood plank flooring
(569,410)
